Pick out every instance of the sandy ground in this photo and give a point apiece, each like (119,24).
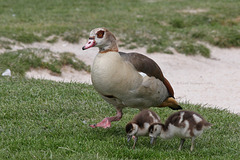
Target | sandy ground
(212,82)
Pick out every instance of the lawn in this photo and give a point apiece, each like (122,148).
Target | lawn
(42,119)
(155,24)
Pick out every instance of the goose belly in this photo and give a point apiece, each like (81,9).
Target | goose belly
(150,93)
(141,96)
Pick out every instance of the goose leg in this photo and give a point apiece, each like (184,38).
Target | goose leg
(106,122)
(181,144)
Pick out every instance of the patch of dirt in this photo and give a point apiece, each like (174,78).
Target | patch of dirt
(213,82)
(194,11)
(68,75)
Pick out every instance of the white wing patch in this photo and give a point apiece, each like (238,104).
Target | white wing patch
(158,119)
(197,118)
(181,117)
(154,119)
(142,74)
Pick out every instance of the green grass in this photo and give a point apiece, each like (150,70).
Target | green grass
(21,61)
(49,120)
(191,49)
(156,25)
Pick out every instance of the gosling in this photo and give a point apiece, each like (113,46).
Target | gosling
(183,124)
(139,125)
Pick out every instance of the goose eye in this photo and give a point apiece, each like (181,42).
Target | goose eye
(100,34)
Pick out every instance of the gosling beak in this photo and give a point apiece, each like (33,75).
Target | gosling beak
(129,137)
(152,140)
(91,43)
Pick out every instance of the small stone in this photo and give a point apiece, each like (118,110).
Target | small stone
(7,72)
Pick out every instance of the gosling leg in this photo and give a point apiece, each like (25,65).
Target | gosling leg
(135,141)
(181,144)
(192,146)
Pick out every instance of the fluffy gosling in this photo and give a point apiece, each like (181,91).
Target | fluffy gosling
(183,124)
(139,125)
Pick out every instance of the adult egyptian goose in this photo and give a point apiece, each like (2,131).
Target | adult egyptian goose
(139,125)
(126,80)
(183,124)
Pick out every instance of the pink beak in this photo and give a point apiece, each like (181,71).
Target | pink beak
(91,43)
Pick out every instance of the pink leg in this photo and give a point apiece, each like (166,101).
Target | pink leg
(106,122)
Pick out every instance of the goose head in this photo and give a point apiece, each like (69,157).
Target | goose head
(154,131)
(131,130)
(103,39)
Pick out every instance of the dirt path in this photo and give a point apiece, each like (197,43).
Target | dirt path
(213,82)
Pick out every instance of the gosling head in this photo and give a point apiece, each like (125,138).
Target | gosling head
(154,131)
(131,130)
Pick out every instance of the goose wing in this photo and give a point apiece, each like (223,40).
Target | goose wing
(148,66)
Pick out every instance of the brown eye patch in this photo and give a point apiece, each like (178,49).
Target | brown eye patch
(100,34)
